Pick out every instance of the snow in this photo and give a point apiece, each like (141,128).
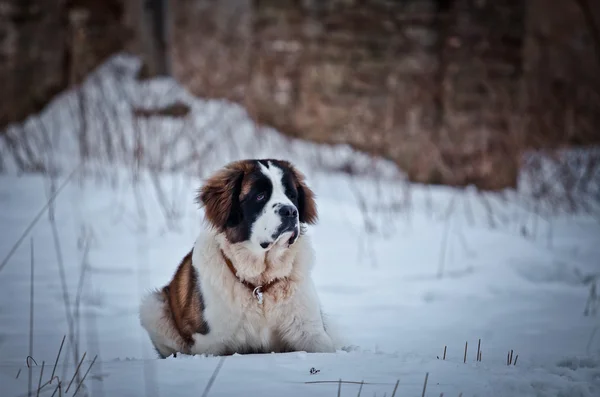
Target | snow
(403,270)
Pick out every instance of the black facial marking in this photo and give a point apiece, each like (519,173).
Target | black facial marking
(246,209)
(258,188)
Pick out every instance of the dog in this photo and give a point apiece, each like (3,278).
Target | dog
(245,286)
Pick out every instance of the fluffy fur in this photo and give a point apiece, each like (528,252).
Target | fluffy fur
(257,212)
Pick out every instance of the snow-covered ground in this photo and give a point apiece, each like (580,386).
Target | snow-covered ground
(403,270)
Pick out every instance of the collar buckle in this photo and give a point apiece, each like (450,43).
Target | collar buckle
(258,294)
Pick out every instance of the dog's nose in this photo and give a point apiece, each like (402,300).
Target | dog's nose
(288,211)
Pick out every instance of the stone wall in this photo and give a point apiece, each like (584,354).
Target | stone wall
(32,41)
(416,81)
(48,45)
(450,90)
(562,73)
(210,46)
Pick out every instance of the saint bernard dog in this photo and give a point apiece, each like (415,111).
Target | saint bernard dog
(245,287)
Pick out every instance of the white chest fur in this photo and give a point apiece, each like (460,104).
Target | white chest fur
(288,319)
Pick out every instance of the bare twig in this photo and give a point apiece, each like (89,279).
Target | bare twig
(360,388)
(478,349)
(339,391)
(445,352)
(465,358)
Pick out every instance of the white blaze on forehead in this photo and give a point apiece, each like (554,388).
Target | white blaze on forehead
(275,175)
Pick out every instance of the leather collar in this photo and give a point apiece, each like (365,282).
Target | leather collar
(256,290)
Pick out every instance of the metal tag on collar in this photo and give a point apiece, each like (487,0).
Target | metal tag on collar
(258,294)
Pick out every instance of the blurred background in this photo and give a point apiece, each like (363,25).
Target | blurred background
(452,91)
(453,146)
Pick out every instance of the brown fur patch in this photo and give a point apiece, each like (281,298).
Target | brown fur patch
(185,302)
(221,191)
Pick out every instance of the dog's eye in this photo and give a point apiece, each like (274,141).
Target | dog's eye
(260,197)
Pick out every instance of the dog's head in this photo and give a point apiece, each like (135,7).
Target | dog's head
(261,202)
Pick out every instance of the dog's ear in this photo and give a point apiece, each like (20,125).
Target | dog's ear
(307,206)
(220,196)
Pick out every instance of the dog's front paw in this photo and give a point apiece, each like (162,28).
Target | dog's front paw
(320,343)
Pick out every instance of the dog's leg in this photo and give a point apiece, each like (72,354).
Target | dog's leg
(157,325)
(306,335)
(302,326)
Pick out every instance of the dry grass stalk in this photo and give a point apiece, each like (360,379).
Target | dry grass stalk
(360,388)
(76,372)
(350,382)
(59,385)
(40,379)
(31,306)
(213,377)
(395,387)
(478,350)
(445,352)
(36,219)
(84,375)
(425,384)
(58,356)
(59,389)
(448,217)
(465,357)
